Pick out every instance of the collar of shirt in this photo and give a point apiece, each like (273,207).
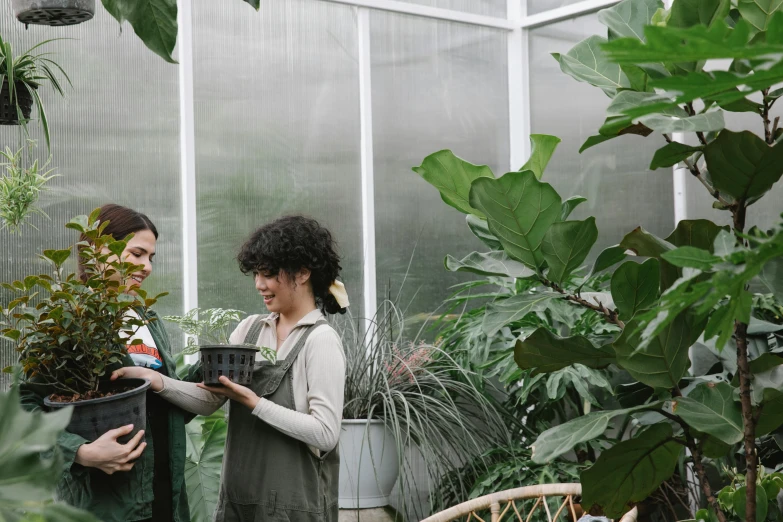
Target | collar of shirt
(308,320)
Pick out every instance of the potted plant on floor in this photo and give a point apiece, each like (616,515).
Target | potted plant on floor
(75,335)
(404,397)
(208,331)
(20,77)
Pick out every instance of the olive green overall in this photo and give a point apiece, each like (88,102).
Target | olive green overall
(268,475)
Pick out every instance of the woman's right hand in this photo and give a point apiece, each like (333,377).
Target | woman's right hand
(110,456)
(137,372)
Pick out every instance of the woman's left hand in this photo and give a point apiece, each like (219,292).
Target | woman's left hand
(233,391)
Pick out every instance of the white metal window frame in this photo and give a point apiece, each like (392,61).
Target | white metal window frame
(517,23)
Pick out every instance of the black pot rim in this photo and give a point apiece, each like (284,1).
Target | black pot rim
(142,385)
(236,347)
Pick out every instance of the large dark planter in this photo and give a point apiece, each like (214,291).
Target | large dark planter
(53,12)
(235,362)
(94,417)
(8,114)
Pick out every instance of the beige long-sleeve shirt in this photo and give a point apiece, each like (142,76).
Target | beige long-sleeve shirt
(318,383)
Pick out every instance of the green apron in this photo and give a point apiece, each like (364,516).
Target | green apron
(268,475)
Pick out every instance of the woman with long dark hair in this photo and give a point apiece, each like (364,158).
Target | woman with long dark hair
(281,460)
(135,481)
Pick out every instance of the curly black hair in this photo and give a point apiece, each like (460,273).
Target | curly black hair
(290,244)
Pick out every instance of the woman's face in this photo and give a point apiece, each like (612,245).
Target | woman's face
(139,251)
(280,292)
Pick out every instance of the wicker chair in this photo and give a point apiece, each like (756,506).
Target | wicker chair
(506,505)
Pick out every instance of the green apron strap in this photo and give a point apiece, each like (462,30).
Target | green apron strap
(255,330)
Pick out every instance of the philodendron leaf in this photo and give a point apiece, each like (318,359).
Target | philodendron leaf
(545,352)
(566,245)
(742,165)
(491,264)
(629,17)
(480,229)
(452,177)
(542,147)
(206,438)
(569,205)
(630,470)
(711,408)
(687,13)
(504,311)
(519,209)
(586,62)
(672,154)
(154,21)
(663,361)
(562,438)
(635,287)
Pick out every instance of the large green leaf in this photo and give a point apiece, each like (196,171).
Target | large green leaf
(566,245)
(711,408)
(491,264)
(758,12)
(504,311)
(663,361)
(519,209)
(629,17)
(739,502)
(206,438)
(255,3)
(154,21)
(630,471)
(772,277)
(771,417)
(667,123)
(545,352)
(562,438)
(542,147)
(687,13)
(586,62)
(569,205)
(480,229)
(608,257)
(699,233)
(645,244)
(691,257)
(671,154)
(452,177)
(742,165)
(635,287)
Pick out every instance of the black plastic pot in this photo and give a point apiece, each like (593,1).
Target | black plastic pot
(8,114)
(94,417)
(53,12)
(235,362)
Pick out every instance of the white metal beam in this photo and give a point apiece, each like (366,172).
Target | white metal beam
(187,140)
(367,173)
(518,89)
(397,6)
(567,11)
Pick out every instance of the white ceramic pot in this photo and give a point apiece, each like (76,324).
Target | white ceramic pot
(368,464)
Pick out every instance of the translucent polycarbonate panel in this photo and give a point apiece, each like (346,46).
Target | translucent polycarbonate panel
(765,213)
(621,192)
(539,6)
(277,132)
(115,138)
(495,8)
(435,85)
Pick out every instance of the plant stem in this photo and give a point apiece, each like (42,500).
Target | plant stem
(705,484)
(768,135)
(611,315)
(693,168)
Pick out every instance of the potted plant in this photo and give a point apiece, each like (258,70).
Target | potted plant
(21,76)
(20,187)
(72,339)
(404,397)
(218,355)
(53,12)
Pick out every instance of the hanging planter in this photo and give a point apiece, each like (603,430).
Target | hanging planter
(8,107)
(53,12)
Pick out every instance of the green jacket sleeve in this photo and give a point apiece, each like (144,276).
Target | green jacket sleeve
(31,397)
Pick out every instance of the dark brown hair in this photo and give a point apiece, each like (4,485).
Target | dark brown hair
(123,221)
(290,244)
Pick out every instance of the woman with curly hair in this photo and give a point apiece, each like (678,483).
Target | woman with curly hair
(281,460)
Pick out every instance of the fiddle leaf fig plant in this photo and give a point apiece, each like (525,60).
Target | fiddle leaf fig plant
(686,311)
(71,331)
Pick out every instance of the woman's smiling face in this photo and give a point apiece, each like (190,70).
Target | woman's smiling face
(139,251)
